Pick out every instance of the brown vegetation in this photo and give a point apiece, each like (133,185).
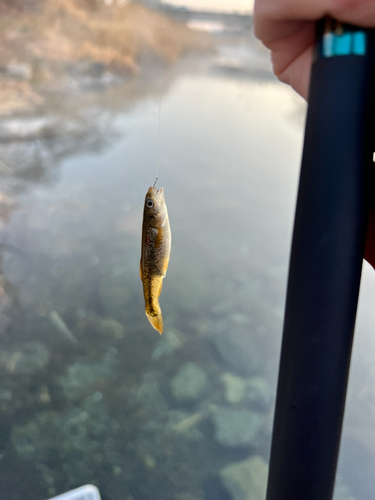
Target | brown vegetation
(39,39)
(70,30)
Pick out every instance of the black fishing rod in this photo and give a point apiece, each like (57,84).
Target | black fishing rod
(325,265)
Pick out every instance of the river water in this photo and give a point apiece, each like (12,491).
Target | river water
(90,393)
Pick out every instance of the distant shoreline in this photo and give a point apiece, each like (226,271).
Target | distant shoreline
(50,46)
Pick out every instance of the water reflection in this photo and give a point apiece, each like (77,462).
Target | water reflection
(89,392)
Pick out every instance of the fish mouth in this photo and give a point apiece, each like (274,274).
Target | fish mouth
(155,191)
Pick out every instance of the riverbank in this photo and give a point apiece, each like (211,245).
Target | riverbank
(50,46)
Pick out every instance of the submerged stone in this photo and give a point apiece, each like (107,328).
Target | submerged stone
(171,341)
(80,378)
(111,328)
(235,428)
(26,358)
(234,387)
(258,392)
(150,395)
(189,384)
(246,480)
(149,462)
(254,390)
(78,434)
(236,348)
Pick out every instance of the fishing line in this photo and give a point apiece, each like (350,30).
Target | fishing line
(160,99)
(159,127)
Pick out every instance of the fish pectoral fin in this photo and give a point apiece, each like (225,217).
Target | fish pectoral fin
(140,271)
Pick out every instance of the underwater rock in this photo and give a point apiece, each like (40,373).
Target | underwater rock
(149,393)
(234,387)
(202,326)
(189,384)
(19,392)
(149,387)
(246,480)
(235,427)
(171,341)
(254,390)
(111,328)
(236,348)
(78,435)
(44,395)
(258,392)
(30,440)
(80,377)
(147,460)
(26,359)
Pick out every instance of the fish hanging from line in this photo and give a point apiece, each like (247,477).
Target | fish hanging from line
(156,248)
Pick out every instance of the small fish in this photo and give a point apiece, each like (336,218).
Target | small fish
(156,248)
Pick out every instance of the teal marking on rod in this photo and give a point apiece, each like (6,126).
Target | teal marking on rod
(342,44)
(351,43)
(327,45)
(359,43)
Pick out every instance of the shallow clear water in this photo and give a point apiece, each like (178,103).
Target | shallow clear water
(90,393)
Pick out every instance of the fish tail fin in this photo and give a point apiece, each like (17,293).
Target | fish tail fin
(156,321)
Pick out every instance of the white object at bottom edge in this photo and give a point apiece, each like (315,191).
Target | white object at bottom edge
(87,492)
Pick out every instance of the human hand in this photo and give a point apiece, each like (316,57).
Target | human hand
(287,28)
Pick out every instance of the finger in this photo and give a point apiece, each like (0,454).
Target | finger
(297,73)
(292,57)
(274,19)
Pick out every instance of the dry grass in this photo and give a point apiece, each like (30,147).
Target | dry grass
(47,34)
(69,30)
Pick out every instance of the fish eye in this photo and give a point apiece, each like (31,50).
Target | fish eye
(149,203)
